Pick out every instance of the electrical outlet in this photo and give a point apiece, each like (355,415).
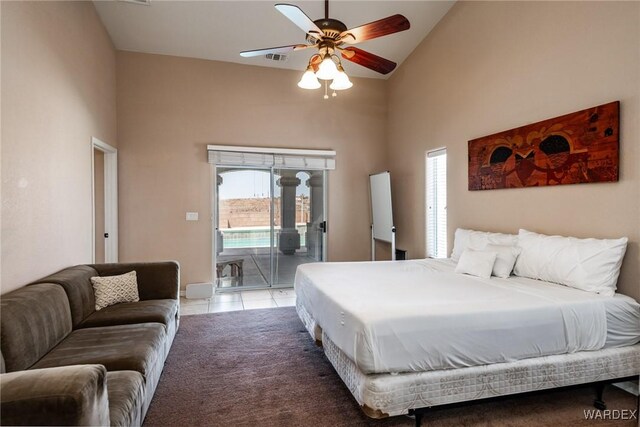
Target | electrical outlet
(192,216)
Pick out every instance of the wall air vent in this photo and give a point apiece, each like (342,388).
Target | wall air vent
(276,57)
(141,2)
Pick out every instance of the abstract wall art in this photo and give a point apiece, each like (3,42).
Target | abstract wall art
(575,148)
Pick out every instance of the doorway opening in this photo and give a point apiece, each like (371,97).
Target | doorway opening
(104,195)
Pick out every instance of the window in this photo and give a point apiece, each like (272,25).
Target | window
(436,227)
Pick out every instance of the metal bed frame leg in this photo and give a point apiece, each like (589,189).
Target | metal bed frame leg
(598,403)
(417,414)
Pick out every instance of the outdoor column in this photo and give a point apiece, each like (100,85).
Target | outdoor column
(219,234)
(316,210)
(289,239)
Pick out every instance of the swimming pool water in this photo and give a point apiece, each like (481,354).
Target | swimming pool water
(254,238)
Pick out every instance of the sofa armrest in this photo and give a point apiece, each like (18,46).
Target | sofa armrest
(156,280)
(69,395)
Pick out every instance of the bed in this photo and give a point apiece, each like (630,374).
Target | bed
(410,335)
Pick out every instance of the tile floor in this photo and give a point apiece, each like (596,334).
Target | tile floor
(233,301)
(257,266)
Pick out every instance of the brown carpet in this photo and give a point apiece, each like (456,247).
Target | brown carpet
(261,368)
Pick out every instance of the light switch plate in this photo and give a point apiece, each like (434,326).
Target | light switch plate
(192,216)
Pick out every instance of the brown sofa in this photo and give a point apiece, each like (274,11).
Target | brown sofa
(63,363)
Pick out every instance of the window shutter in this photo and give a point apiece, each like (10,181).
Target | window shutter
(305,162)
(272,157)
(436,227)
(237,158)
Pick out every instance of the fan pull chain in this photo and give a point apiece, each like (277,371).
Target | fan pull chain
(326,93)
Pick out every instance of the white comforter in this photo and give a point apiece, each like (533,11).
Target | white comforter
(419,315)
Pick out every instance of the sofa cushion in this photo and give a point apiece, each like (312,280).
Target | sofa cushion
(33,320)
(155,310)
(124,347)
(126,397)
(68,395)
(156,280)
(76,282)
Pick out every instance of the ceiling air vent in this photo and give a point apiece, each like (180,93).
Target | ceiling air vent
(142,2)
(276,57)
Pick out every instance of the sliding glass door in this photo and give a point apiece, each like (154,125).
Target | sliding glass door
(299,222)
(243,230)
(267,221)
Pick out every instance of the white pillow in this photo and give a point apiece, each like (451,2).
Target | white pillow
(592,265)
(110,290)
(476,263)
(477,240)
(505,260)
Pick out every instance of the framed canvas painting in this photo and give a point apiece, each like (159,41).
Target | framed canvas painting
(580,147)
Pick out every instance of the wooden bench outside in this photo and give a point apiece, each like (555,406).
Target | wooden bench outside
(236,269)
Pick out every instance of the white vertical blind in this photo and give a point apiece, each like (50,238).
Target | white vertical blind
(436,228)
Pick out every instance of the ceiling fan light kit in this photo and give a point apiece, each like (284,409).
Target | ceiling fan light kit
(328,36)
(341,80)
(327,69)
(309,80)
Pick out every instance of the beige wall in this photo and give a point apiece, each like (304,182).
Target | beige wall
(98,196)
(58,90)
(486,67)
(170,108)
(492,66)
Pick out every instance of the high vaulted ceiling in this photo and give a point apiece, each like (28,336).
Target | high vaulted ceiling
(220,30)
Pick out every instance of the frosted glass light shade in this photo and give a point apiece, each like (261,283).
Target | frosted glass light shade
(327,69)
(341,81)
(309,80)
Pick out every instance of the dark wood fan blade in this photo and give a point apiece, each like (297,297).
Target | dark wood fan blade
(281,49)
(298,17)
(372,30)
(368,60)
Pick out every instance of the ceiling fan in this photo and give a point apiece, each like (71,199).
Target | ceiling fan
(329,36)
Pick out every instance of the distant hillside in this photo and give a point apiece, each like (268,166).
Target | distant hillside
(256,212)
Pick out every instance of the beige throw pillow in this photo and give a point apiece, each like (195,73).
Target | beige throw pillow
(110,290)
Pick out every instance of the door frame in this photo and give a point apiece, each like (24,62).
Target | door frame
(110,200)
(325,214)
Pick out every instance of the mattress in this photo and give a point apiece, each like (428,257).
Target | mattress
(421,316)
